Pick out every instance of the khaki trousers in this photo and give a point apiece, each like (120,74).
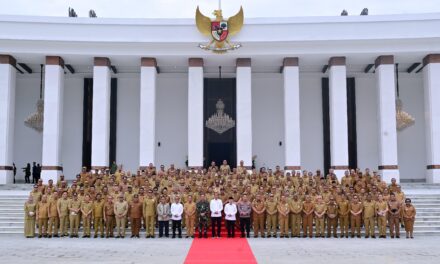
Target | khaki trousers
(271,224)
(332,225)
(308,225)
(42,226)
(98,225)
(53,225)
(150,222)
(319,225)
(343,224)
(369,226)
(382,225)
(356,225)
(120,226)
(74,224)
(258,224)
(284,225)
(109,225)
(63,224)
(190,224)
(295,224)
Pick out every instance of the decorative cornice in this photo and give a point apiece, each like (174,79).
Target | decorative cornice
(55,60)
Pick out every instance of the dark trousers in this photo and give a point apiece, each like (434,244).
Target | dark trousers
(230,225)
(203,226)
(177,224)
(164,225)
(216,222)
(245,224)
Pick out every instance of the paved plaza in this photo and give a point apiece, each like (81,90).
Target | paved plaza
(16,249)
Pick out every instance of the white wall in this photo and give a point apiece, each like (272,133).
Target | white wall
(71,146)
(27,142)
(172,119)
(366,122)
(411,141)
(312,146)
(127,129)
(172,129)
(267,120)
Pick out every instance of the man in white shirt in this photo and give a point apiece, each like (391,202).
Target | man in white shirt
(216,208)
(230,212)
(176,216)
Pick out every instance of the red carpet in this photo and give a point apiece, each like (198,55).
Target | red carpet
(220,250)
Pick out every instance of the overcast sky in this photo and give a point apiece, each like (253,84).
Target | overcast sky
(186,8)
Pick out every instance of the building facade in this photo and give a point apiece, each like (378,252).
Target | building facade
(305,93)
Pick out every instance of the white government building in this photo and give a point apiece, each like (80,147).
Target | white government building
(304,93)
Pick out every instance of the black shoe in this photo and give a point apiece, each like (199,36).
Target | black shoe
(132,236)
(174,236)
(40,236)
(186,236)
(96,236)
(206,235)
(200,236)
(248,236)
(180,236)
(269,236)
(192,236)
(242,235)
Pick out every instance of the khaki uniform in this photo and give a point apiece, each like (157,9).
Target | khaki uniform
(98,217)
(149,209)
(409,214)
(53,218)
(295,217)
(320,208)
(121,209)
(343,216)
(332,219)
(109,213)
(271,218)
(30,211)
(283,218)
(190,208)
(74,207)
(135,217)
(43,216)
(356,219)
(308,219)
(63,211)
(381,219)
(369,214)
(394,219)
(87,208)
(258,218)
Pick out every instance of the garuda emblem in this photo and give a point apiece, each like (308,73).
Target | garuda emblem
(220,30)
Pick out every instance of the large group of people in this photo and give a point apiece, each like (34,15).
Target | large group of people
(274,203)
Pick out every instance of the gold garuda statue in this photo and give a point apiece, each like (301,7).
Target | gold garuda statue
(219,29)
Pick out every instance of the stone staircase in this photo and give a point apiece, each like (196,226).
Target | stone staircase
(425,197)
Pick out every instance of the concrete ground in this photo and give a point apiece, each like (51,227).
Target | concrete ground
(16,249)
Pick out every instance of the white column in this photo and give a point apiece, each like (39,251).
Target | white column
(292,138)
(7,116)
(386,111)
(431,84)
(244,112)
(195,113)
(147,140)
(53,118)
(101,113)
(338,115)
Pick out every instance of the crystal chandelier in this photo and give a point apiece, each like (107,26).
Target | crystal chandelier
(35,120)
(220,122)
(403,119)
